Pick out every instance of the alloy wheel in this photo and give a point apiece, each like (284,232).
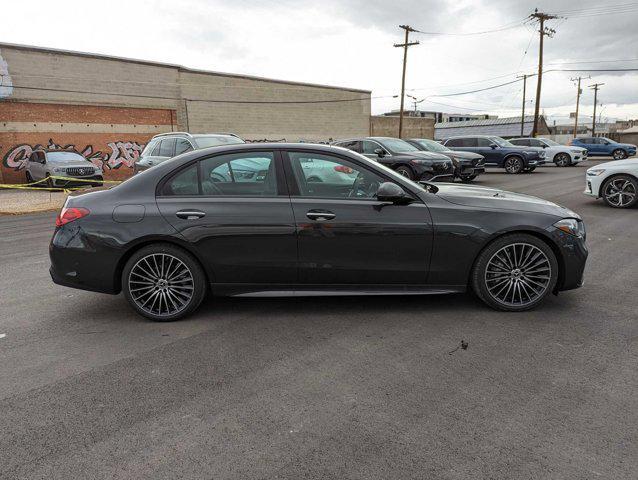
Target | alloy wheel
(161,284)
(619,154)
(562,160)
(518,274)
(513,165)
(620,192)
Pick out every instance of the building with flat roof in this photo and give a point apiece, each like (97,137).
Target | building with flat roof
(509,127)
(107,108)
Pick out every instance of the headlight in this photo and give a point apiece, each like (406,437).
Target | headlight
(595,172)
(571,226)
(420,162)
(58,169)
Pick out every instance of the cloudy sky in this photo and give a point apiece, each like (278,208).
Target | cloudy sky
(349,43)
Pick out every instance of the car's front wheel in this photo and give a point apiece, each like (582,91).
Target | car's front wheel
(562,160)
(163,282)
(619,154)
(468,178)
(515,272)
(406,172)
(620,191)
(514,165)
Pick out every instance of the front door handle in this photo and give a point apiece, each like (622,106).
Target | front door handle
(320,215)
(190,214)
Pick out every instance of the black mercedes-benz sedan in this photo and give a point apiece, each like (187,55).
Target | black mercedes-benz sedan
(303,219)
(406,159)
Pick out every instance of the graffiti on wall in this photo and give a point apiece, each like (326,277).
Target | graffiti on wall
(122,153)
(6,84)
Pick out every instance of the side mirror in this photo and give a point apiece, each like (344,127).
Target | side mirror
(493,146)
(393,193)
(379,152)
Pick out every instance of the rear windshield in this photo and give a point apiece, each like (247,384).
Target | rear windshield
(214,141)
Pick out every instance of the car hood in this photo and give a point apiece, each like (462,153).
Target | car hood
(428,155)
(617,164)
(466,155)
(71,162)
(473,196)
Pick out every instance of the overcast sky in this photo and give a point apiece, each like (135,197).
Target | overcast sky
(349,43)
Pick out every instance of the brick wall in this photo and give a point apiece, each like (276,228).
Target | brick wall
(109,137)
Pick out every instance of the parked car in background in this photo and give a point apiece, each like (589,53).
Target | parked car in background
(168,236)
(605,146)
(499,152)
(168,145)
(402,157)
(615,182)
(561,155)
(467,165)
(44,164)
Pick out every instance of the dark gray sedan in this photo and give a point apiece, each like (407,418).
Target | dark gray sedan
(467,165)
(204,222)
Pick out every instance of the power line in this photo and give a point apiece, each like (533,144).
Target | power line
(507,26)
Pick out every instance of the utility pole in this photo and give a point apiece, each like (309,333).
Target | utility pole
(416,101)
(405,46)
(524,77)
(544,31)
(578,93)
(595,87)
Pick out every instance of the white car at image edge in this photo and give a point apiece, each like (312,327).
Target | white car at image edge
(561,155)
(615,182)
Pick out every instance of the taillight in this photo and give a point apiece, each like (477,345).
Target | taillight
(343,169)
(68,215)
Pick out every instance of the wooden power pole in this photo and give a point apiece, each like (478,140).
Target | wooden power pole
(405,46)
(524,77)
(595,87)
(544,31)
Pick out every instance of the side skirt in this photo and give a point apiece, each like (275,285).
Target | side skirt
(255,290)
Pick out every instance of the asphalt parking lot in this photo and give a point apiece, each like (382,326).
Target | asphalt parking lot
(325,387)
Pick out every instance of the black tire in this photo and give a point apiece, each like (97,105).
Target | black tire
(562,159)
(514,164)
(620,191)
(169,292)
(486,285)
(29,177)
(619,154)
(405,171)
(468,178)
(530,169)
(49,182)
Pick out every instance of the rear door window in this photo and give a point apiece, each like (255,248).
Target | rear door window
(245,174)
(184,182)
(167,147)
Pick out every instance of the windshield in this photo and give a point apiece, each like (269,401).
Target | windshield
(433,146)
(549,142)
(501,142)
(65,157)
(397,145)
(216,141)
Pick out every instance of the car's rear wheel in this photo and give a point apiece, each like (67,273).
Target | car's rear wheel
(163,282)
(620,191)
(516,272)
(562,159)
(29,177)
(514,165)
(405,171)
(619,154)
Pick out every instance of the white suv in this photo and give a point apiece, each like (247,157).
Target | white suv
(168,145)
(561,155)
(45,164)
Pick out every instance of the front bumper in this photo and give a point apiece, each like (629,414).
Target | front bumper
(435,172)
(572,260)
(592,185)
(92,181)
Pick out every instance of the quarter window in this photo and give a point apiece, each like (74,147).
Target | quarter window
(239,174)
(325,176)
(183,183)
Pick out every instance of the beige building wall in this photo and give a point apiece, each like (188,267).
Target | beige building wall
(201,100)
(413,127)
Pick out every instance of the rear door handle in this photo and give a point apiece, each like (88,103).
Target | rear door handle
(190,214)
(320,215)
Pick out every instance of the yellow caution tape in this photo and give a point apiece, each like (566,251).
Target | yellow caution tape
(34,185)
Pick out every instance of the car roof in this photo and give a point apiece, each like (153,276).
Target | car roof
(472,136)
